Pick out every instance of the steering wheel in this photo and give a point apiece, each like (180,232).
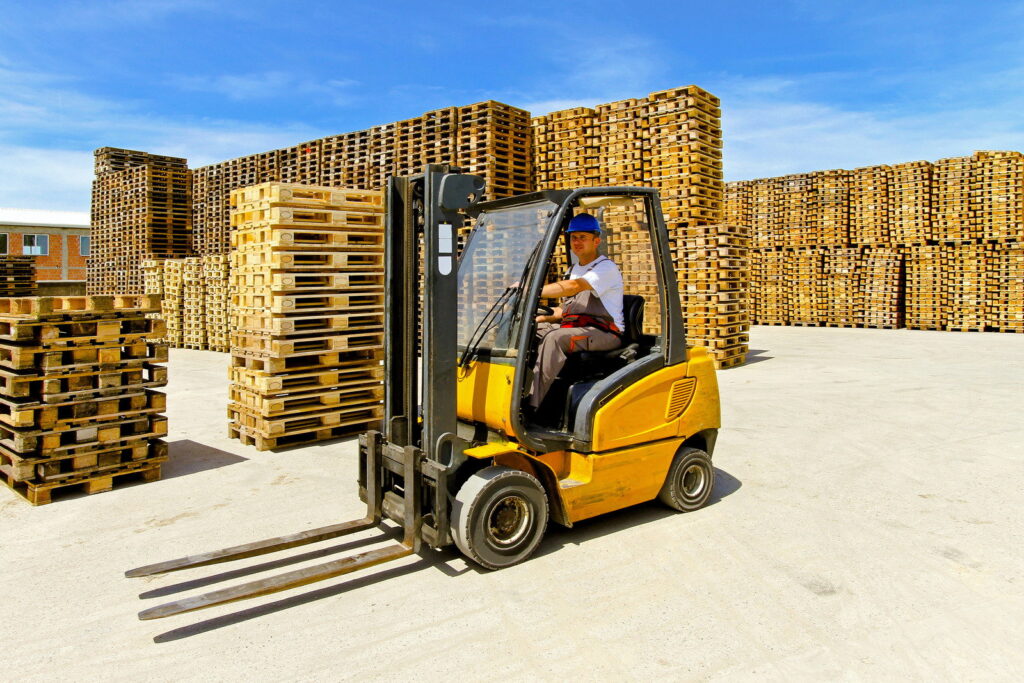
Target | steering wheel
(545,310)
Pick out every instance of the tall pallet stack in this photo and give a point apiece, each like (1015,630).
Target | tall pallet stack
(684,133)
(926,297)
(775,290)
(565,149)
(831,207)
(842,290)
(804,270)
(966,287)
(910,197)
(621,142)
(626,234)
(1006,287)
(307,343)
(491,139)
(870,206)
(881,282)
(78,406)
(17,276)
(216,302)
(193,299)
(712,267)
(142,209)
(173,301)
(952,218)
(997,194)
(795,227)
(764,213)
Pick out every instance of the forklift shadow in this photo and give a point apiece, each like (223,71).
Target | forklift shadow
(627,518)
(189,457)
(446,560)
(426,560)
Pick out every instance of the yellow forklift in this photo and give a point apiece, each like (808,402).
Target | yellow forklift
(457,461)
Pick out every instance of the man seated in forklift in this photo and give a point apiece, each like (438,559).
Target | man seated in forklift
(589,319)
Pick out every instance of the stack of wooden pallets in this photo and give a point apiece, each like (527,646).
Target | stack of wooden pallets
(78,406)
(795,226)
(965,280)
(193,304)
(997,195)
(684,139)
(737,207)
(17,275)
(308,334)
(926,296)
(804,269)
(842,291)
(881,288)
(764,213)
(1006,286)
(173,297)
(712,267)
(141,209)
(626,236)
(774,288)
(216,288)
(621,142)
(952,218)
(869,205)
(910,200)
(830,208)
(565,146)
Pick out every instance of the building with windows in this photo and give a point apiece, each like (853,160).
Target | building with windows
(58,239)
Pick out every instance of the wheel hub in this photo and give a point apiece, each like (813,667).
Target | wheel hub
(509,521)
(694,480)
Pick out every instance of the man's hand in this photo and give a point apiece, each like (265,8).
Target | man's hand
(555,317)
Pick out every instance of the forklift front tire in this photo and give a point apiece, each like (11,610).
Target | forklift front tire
(690,480)
(499,517)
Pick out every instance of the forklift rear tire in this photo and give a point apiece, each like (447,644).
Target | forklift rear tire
(499,517)
(690,480)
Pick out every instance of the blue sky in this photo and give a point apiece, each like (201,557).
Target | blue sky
(804,85)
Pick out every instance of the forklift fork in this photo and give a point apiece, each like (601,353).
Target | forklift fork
(371,446)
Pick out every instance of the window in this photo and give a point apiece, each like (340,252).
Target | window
(37,245)
(84,245)
(3,243)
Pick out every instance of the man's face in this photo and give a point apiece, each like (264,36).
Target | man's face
(584,245)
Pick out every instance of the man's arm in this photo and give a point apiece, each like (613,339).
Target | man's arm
(564,288)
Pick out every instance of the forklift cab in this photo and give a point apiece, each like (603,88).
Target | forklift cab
(516,247)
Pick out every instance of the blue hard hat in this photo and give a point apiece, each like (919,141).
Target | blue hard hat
(584,222)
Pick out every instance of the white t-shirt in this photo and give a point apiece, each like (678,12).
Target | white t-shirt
(606,281)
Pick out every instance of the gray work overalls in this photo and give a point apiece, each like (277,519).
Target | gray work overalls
(557,342)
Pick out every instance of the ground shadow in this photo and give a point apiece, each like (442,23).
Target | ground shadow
(557,537)
(188,457)
(637,515)
(426,560)
(756,356)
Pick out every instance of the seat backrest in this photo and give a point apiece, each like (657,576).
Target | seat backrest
(633,317)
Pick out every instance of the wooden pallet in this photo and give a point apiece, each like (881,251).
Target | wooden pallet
(263,443)
(80,412)
(89,483)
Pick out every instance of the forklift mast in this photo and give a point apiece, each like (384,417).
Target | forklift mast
(420,340)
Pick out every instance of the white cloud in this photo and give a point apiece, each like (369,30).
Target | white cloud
(771,131)
(45,178)
(268,85)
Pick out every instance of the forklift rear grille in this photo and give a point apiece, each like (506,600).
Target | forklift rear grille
(679,398)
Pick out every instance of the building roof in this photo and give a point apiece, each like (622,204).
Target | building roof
(44,218)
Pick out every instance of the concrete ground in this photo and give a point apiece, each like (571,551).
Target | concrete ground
(866,524)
